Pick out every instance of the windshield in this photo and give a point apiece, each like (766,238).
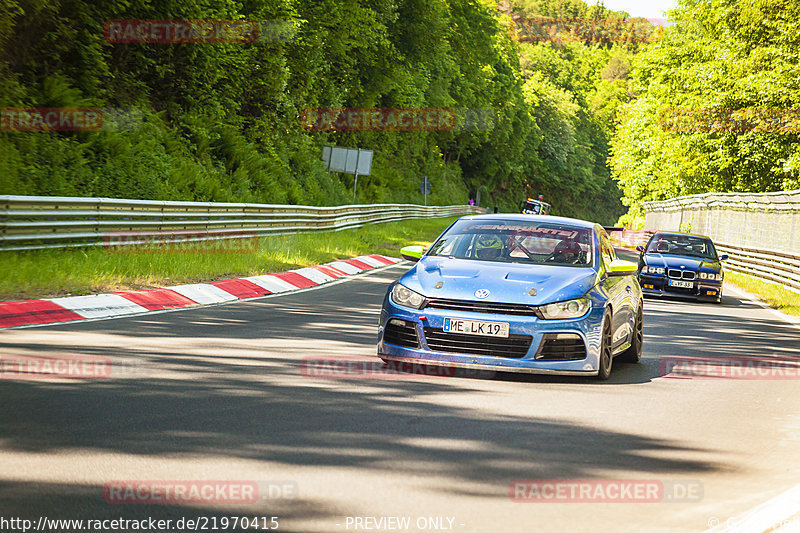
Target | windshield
(517,242)
(682,245)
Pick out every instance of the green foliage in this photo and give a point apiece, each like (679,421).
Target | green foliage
(719,55)
(220,122)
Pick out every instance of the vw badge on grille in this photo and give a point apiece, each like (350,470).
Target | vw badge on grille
(481,293)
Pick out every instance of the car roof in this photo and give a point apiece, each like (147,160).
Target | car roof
(681,234)
(538,218)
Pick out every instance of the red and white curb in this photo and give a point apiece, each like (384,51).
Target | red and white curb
(125,303)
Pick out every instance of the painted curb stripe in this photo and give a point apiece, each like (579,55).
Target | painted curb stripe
(371,261)
(99,305)
(314,275)
(329,270)
(122,303)
(359,264)
(296,279)
(203,293)
(33,312)
(241,288)
(383,259)
(157,299)
(271,283)
(347,268)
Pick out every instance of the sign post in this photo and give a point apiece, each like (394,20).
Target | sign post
(425,188)
(349,160)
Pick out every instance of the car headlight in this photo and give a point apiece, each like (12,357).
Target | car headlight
(404,296)
(569,309)
(711,276)
(652,270)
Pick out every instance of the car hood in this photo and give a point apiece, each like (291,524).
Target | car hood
(678,261)
(506,282)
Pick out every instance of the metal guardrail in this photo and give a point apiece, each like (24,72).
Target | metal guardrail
(37,222)
(759,232)
(771,266)
(768,221)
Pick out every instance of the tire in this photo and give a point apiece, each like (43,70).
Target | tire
(606,349)
(634,353)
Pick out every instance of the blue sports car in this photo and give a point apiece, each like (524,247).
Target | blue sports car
(517,293)
(681,265)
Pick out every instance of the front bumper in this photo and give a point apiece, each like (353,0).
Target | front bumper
(702,289)
(588,328)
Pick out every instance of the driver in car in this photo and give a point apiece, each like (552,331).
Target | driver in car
(488,246)
(567,252)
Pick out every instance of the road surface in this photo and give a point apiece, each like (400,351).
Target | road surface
(229,394)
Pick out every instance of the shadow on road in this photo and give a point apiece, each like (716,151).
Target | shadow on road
(206,388)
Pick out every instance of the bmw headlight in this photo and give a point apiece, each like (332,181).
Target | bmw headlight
(569,309)
(404,296)
(652,270)
(711,275)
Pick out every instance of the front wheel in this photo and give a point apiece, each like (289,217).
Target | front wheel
(606,349)
(634,353)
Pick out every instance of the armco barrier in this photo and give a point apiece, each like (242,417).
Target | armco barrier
(759,232)
(34,222)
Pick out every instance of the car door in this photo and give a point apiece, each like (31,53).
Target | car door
(620,293)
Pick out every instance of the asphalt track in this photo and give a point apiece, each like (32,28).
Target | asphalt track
(229,393)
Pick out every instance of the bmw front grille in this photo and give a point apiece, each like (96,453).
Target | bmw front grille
(674,273)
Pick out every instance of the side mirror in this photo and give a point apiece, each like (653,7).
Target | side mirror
(621,267)
(723,257)
(640,248)
(412,253)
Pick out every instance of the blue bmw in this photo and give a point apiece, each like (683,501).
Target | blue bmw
(681,265)
(515,293)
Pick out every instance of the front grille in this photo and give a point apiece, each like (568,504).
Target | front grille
(681,274)
(483,307)
(514,346)
(561,347)
(401,333)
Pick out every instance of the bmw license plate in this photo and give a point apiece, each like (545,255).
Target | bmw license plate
(681,284)
(476,327)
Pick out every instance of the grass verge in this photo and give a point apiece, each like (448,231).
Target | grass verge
(772,294)
(52,273)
